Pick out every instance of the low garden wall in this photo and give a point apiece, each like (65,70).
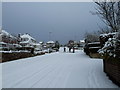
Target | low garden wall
(13,56)
(7,56)
(112,69)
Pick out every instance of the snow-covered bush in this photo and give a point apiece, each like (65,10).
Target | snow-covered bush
(111,47)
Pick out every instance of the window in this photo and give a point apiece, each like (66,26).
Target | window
(24,39)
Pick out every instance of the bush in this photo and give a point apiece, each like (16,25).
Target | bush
(111,47)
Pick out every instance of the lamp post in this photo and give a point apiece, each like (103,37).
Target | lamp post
(50,35)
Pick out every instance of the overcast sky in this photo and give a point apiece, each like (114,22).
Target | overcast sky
(65,20)
(0,14)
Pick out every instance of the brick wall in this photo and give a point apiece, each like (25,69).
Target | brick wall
(112,69)
(14,56)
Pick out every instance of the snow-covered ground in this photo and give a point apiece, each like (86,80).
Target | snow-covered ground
(56,70)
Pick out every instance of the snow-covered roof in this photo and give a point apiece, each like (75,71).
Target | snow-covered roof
(50,42)
(103,35)
(2,43)
(23,42)
(36,43)
(94,47)
(94,43)
(82,41)
(27,36)
(17,45)
(3,32)
(41,42)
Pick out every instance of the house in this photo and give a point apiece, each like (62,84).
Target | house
(8,38)
(82,43)
(3,46)
(8,41)
(29,42)
(38,46)
(42,44)
(50,44)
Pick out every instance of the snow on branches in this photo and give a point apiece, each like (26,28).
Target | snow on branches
(111,47)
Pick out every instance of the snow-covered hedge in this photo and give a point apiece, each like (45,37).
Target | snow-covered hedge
(111,47)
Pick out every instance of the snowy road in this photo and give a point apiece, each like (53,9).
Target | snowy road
(56,70)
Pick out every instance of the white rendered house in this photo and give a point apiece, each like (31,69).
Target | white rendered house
(29,41)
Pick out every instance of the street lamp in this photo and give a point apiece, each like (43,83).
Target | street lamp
(50,35)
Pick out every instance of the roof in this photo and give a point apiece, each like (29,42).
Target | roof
(2,43)
(82,41)
(36,44)
(25,42)
(50,42)
(94,43)
(41,42)
(103,35)
(27,36)
(3,32)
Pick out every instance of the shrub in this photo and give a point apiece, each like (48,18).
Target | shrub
(111,47)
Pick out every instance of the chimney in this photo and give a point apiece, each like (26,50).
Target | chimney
(19,35)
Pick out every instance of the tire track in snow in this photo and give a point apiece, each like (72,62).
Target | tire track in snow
(46,73)
(92,77)
(48,79)
(24,74)
(45,69)
(59,76)
(27,77)
(31,75)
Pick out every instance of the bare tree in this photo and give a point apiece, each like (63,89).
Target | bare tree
(109,12)
(91,37)
(104,30)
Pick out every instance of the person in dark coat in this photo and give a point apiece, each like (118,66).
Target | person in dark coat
(64,49)
(70,49)
(73,49)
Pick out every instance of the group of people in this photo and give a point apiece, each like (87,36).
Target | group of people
(70,48)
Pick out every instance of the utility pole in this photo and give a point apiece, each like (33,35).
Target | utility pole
(50,35)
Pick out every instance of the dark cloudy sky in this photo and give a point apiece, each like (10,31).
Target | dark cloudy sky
(66,20)
(0,14)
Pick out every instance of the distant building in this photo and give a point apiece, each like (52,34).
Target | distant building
(70,43)
(38,47)
(82,43)
(41,42)
(50,44)
(27,40)
(76,44)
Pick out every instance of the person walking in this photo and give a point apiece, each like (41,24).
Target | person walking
(73,49)
(69,49)
(64,49)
